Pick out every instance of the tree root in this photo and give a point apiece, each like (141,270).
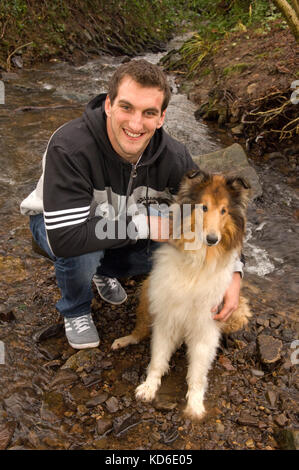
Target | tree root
(274,115)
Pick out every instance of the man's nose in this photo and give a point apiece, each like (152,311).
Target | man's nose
(136,122)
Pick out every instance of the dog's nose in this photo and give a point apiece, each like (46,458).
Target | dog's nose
(212,239)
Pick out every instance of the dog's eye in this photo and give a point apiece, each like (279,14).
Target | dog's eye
(223,211)
(204,208)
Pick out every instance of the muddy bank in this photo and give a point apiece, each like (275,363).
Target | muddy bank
(243,85)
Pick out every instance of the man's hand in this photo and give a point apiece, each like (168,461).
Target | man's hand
(159,228)
(231,299)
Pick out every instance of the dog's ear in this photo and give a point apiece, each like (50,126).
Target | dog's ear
(190,185)
(199,174)
(240,189)
(238,183)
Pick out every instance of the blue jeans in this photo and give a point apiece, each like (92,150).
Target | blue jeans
(74,275)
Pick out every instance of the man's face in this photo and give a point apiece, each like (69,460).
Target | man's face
(133,118)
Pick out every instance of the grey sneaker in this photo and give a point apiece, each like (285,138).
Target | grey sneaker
(110,289)
(81,332)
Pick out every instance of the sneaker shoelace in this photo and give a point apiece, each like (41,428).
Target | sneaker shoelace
(81,324)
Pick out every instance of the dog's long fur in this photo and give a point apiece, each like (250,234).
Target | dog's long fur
(185,284)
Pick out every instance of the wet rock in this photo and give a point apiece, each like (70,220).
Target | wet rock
(97,400)
(49,351)
(164,405)
(257,373)
(247,420)
(6,313)
(92,379)
(280,420)
(231,160)
(6,432)
(226,363)
(14,404)
(131,376)
(220,428)
(53,407)
(47,332)
(112,404)
(125,422)
(288,439)
(106,364)
(103,425)
(63,378)
(271,397)
(85,358)
(269,349)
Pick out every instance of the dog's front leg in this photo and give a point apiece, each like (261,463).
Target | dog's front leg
(162,347)
(201,355)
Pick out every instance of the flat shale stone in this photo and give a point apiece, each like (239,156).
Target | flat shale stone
(269,349)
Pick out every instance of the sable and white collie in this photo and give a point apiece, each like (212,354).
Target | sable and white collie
(185,284)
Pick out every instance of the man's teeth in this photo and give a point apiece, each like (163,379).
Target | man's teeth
(130,134)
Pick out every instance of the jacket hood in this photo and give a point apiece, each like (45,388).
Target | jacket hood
(95,119)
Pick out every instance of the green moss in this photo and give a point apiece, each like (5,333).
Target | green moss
(236,68)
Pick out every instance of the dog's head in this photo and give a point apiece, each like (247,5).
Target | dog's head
(219,203)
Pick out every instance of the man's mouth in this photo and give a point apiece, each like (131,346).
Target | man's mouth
(132,135)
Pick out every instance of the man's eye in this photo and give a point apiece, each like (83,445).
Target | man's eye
(223,211)
(204,208)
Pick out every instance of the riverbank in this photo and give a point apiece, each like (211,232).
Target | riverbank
(34,32)
(244,86)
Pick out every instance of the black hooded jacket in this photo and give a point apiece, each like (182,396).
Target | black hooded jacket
(83,175)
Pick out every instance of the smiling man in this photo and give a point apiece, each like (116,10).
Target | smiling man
(99,171)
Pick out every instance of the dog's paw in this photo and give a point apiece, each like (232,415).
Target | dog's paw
(123,342)
(146,391)
(195,413)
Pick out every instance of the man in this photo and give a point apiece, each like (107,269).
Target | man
(97,170)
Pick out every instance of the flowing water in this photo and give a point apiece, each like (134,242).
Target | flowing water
(37,102)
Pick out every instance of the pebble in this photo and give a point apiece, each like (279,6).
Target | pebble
(112,404)
(103,425)
(6,433)
(125,422)
(271,397)
(257,373)
(97,400)
(247,420)
(269,349)
(280,420)
(63,378)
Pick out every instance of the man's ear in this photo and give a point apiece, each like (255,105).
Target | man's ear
(161,121)
(108,106)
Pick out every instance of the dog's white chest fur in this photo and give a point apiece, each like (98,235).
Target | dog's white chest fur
(183,289)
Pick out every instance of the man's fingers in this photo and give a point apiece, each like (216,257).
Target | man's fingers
(224,314)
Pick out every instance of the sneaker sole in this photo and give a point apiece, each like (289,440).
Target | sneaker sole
(85,345)
(110,302)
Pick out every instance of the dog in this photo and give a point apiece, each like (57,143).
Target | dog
(188,279)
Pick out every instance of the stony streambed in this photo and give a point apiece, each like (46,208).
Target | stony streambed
(53,397)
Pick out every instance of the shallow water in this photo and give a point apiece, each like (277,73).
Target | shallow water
(271,249)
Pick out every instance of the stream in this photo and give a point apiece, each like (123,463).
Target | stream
(45,407)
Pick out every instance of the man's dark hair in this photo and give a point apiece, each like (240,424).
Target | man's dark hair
(144,73)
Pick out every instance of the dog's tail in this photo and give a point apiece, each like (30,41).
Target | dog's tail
(238,319)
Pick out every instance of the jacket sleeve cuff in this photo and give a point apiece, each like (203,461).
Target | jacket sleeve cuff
(140,222)
(238,267)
